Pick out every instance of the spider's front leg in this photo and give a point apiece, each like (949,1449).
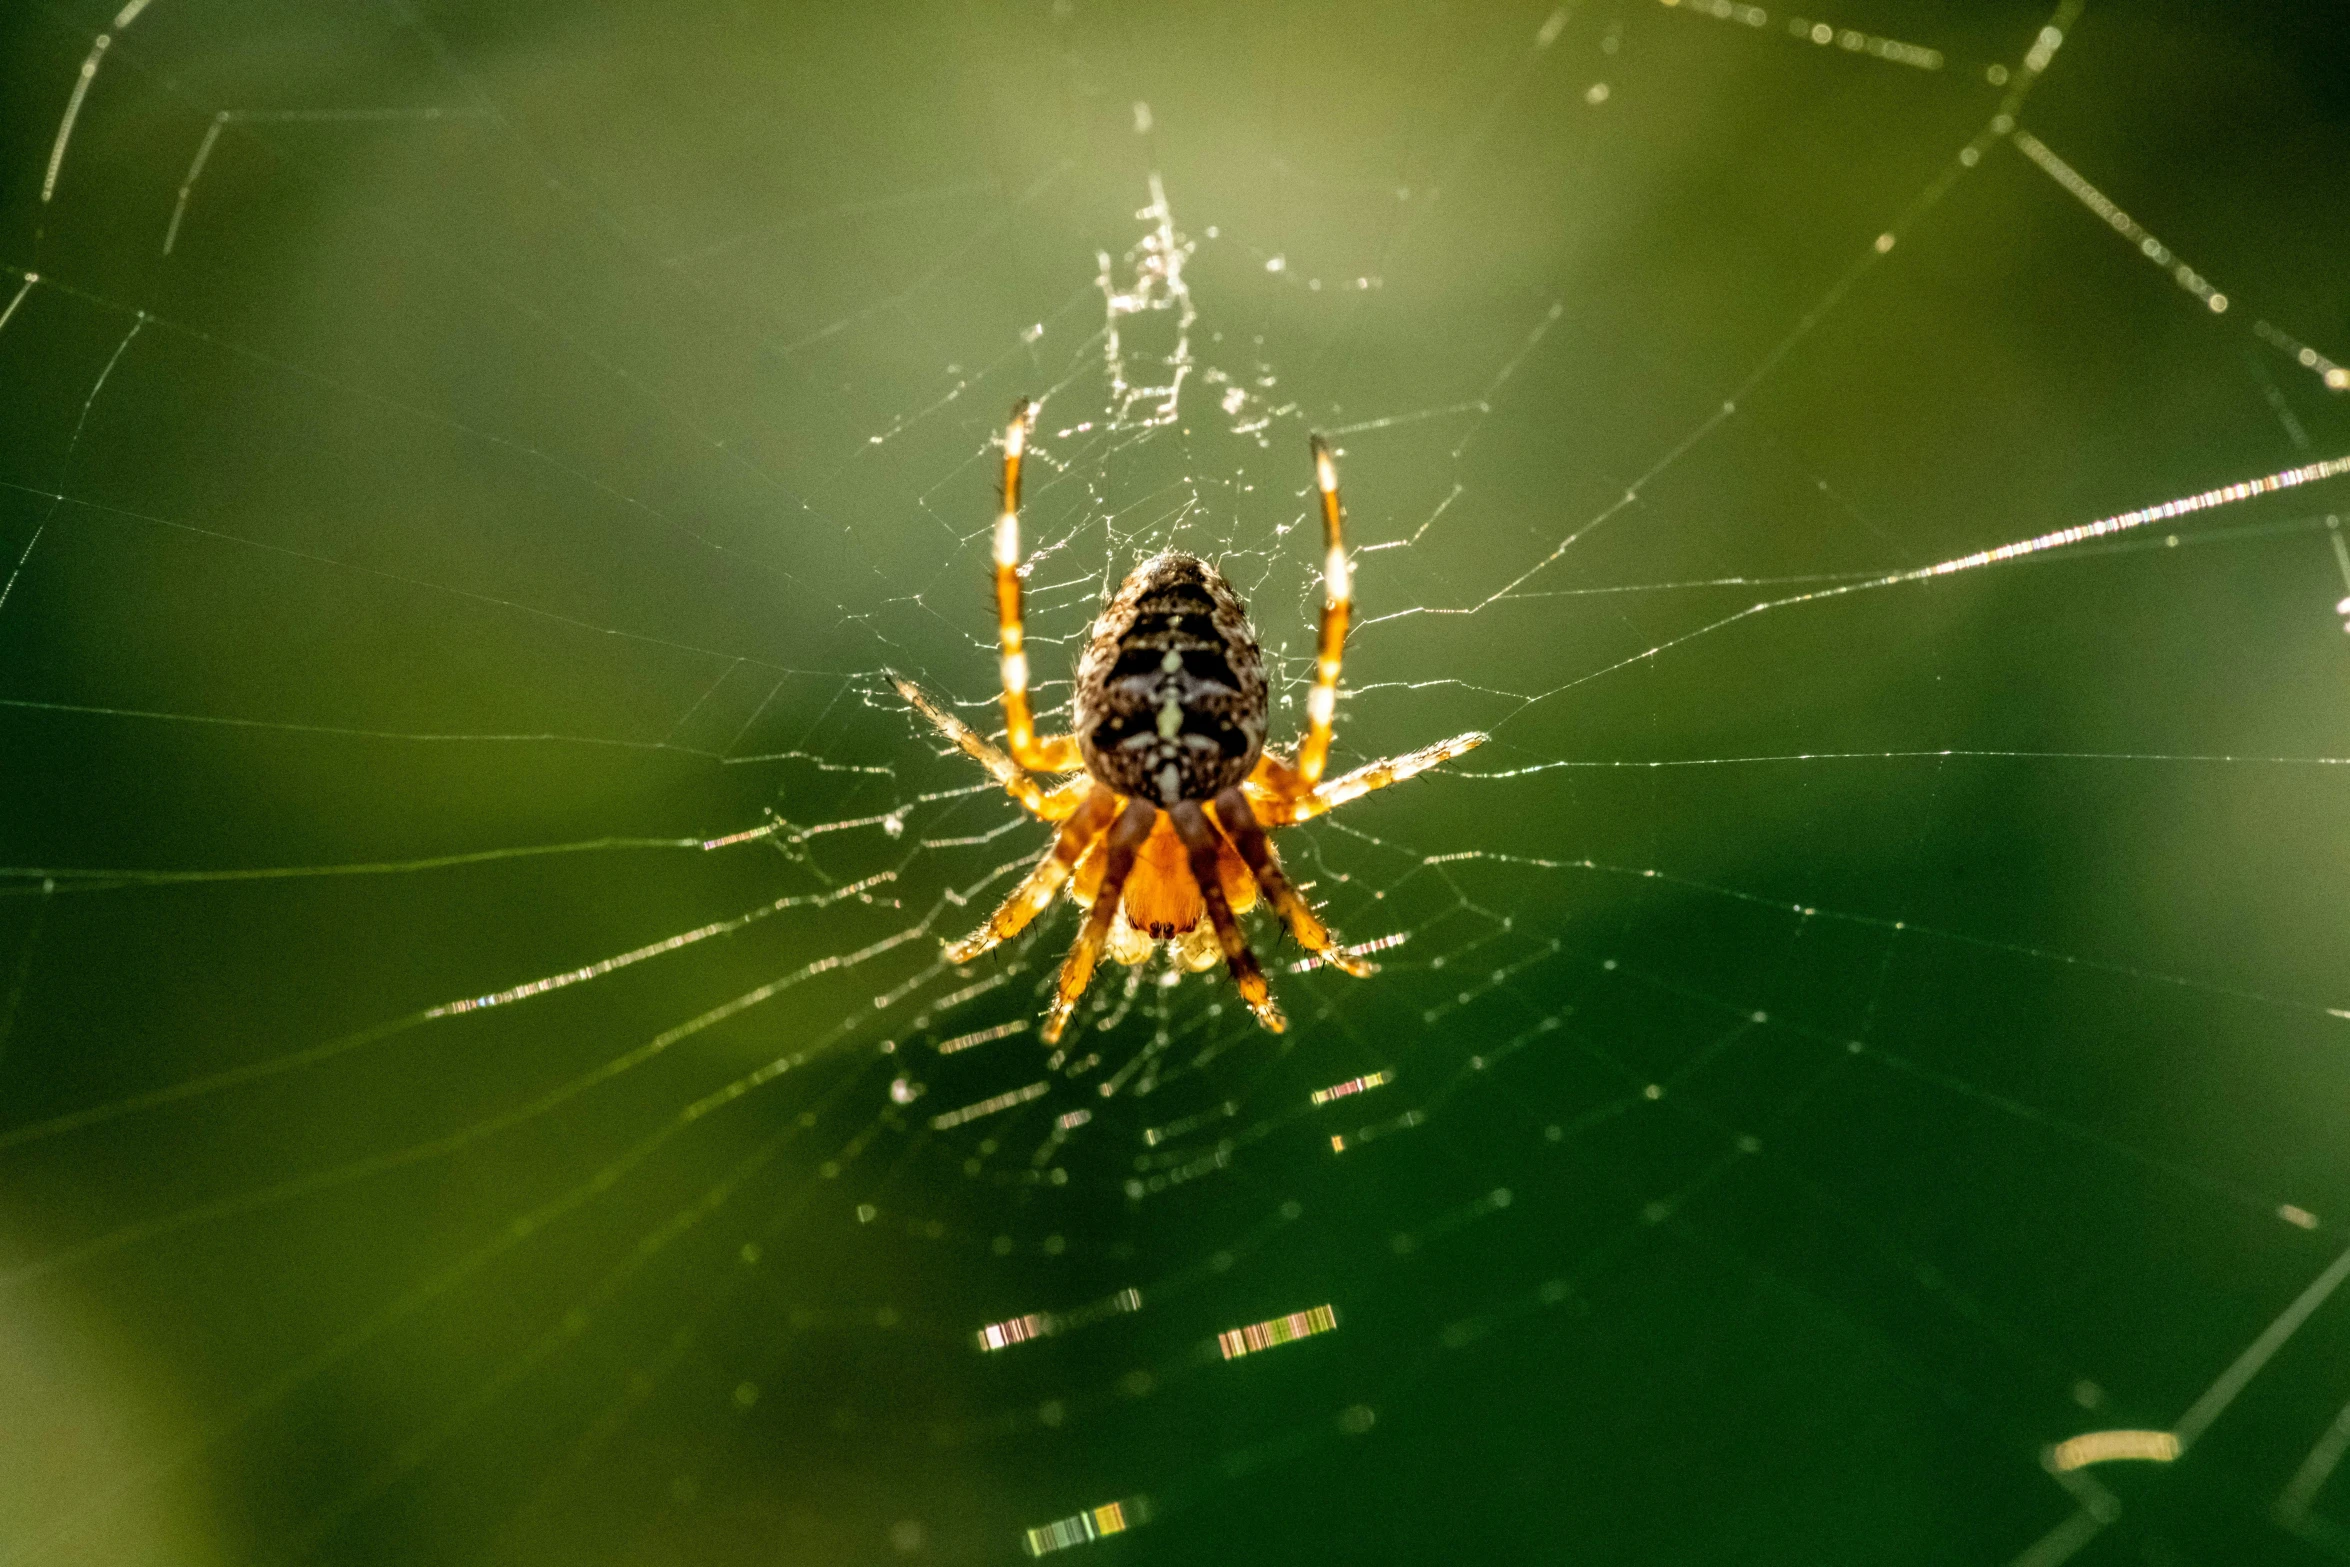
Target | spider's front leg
(1058,754)
(1289,792)
(1313,748)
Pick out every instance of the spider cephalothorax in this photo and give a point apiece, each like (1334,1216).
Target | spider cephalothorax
(1170,791)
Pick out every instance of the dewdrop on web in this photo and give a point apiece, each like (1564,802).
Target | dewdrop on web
(1353,1085)
(1086,1527)
(1044,1324)
(1260,1336)
(2106,1447)
(1003,1101)
(1019,1330)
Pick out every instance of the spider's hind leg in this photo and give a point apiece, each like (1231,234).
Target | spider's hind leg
(1035,893)
(1126,836)
(1240,825)
(1191,825)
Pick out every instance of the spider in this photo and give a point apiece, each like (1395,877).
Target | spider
(1168,786)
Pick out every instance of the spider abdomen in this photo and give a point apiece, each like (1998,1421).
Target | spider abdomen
(1171,693)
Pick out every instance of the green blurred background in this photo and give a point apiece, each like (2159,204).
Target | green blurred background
(549,419)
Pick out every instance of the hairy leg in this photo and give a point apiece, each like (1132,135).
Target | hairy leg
(1313,749)
(1256,851)
(1191,825)
(1059,754)
(1132,827)
(1374,775)
(1035,892)
(1272,778)
(1061,801)
(1048,804)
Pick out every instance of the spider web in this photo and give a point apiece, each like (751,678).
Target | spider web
(1856,1056)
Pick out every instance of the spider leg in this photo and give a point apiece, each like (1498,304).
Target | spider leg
(1240,825)
(1058,754)
(1031,795)
(1060,803)
(1272,778)
(1378,775)
(1126,835)
(1035,893)
(1191,825)
(1313,750)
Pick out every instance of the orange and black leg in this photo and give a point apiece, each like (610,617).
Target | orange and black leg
(1200,840)
(1126,837)
(1035,893)
(1313,750)
(1373,775)
(1256,852)
(1050,805)
(1059,753)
